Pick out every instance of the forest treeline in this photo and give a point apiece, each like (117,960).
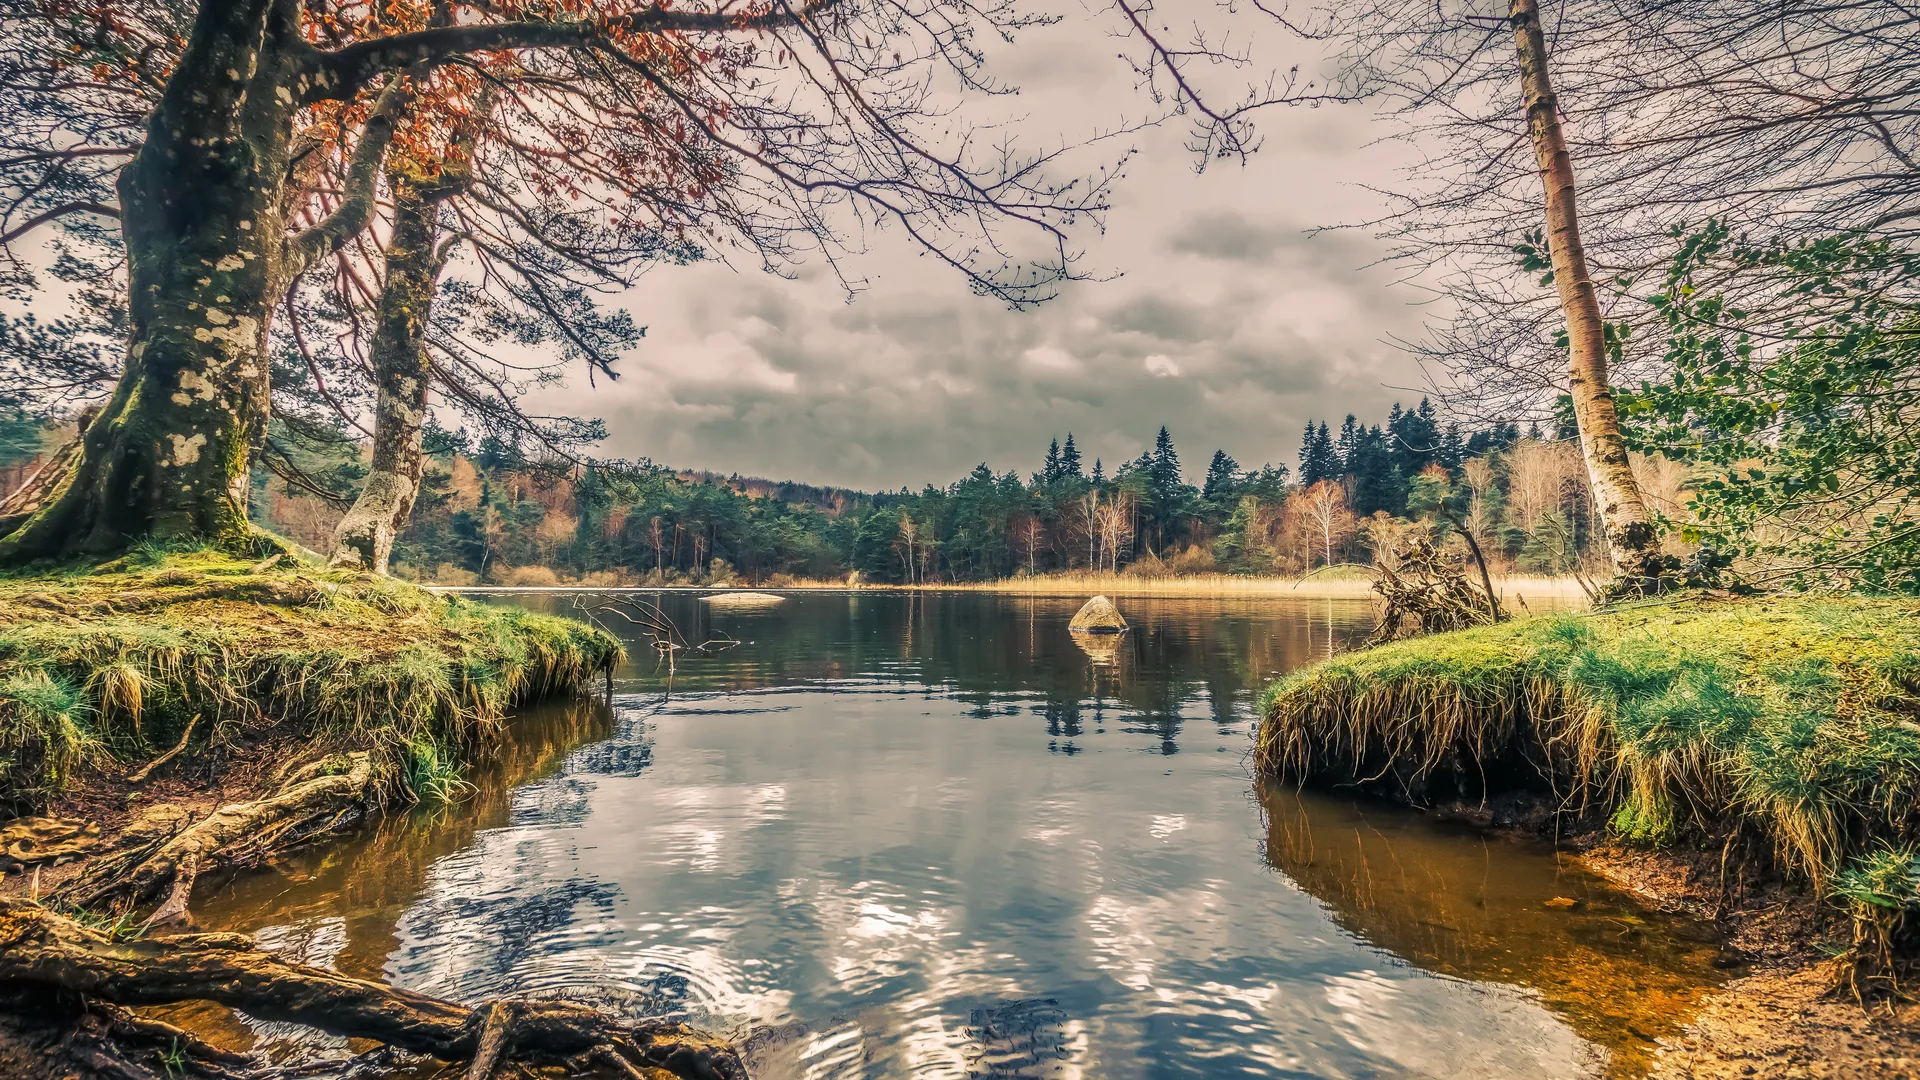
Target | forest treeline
(488,514)
(1727,310)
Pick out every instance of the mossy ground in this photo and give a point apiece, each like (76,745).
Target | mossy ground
(103,667)
(1794,721)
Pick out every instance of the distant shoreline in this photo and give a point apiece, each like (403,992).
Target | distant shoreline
(1351,586)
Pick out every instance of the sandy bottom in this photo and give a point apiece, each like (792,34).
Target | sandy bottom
(1782,1023)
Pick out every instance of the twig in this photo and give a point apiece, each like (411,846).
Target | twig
(141,776)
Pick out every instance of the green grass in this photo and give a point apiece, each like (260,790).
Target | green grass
(1797,719)
(113,662)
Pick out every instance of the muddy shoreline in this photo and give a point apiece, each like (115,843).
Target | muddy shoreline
(1783,1018)
(1783,1015)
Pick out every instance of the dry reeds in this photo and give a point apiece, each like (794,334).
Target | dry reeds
(1344,582)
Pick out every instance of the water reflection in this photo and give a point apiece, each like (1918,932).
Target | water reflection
(897,836)
(1491,907)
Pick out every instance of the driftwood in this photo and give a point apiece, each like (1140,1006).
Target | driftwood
(41,951)
(313,799)
(1427,594)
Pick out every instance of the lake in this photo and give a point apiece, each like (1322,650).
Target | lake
(929,834)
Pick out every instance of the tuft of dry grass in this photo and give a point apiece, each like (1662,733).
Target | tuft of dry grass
(111,663)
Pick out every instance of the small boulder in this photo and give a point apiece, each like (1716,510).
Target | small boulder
(742,599)
(1099,616)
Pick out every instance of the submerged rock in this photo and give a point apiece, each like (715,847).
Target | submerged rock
(1099,616)
(743,599)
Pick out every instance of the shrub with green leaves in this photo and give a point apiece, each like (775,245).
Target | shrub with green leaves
(1794,390)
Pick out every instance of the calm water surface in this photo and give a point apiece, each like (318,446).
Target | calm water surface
(899,835)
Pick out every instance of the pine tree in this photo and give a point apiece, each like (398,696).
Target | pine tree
(1415,436)
(1319,459)
(1070,460)
(1165,467)
(1349,445)
(1453,449)
(1099,473)
(1378,483)
(1221,473)
(1050,468)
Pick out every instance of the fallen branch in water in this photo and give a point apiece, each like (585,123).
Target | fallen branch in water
(41,950)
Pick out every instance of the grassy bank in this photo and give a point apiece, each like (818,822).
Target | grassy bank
(1786,723)
(104,668)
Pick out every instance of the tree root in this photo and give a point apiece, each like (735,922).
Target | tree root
(28,841)
(1427,594)
(312,799)
(141,776)
(273,592)
(43,952)
(65,1036)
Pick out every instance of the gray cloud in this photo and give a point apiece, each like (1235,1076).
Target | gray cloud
(1220,315)
(1229,235)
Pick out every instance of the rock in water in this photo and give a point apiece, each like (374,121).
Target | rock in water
(743,599)
(1099,616)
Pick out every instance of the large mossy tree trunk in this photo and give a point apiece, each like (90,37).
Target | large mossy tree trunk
(204,217)
(414,259)
(1638,563)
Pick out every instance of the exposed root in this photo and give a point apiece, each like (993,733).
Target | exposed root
(1880,962)
(29,841)
(66,1036)
(312,800)
(40,950)
(141,776)
(275,592)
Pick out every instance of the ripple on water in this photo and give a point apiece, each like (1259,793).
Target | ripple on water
(860,850)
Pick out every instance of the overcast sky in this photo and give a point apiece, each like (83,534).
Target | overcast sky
(1221,318)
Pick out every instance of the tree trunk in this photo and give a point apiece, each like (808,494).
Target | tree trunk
(414,260)
(203,208)
(1637,559)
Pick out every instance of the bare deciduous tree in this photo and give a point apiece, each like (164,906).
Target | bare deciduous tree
(1323,512)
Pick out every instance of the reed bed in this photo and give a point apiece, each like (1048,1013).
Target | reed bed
(1343,582)
(1519,591)
(115,662)
(1789,719)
